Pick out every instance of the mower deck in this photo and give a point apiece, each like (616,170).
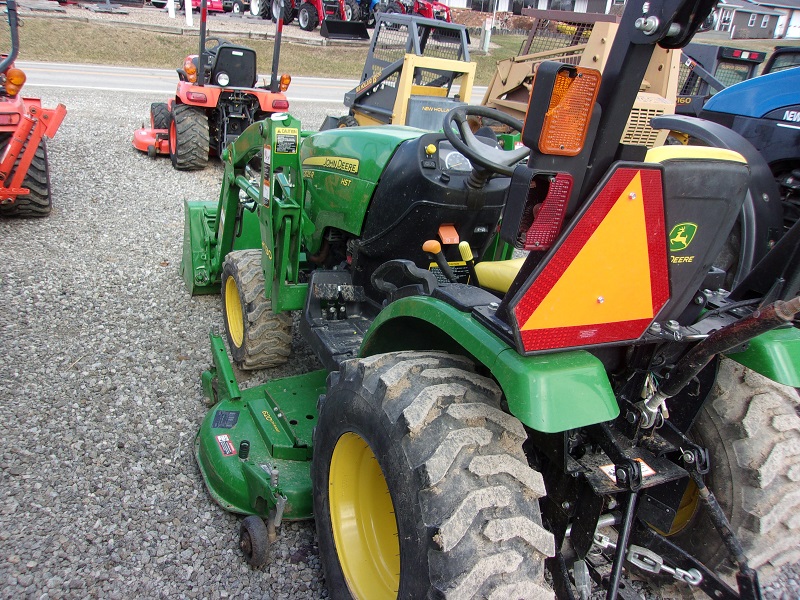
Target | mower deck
(152,141)
(254,446)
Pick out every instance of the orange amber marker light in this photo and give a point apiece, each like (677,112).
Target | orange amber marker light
(567,118)
(15,79)
(190,69)
(285,80)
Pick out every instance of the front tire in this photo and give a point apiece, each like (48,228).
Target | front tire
(38,202)
(159,115)
(258,337)
(307,17)
(751,427)
(421,486)
(188,138)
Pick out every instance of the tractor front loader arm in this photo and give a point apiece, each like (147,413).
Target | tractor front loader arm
(259,206)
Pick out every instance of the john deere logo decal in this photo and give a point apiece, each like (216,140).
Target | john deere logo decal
(681,236)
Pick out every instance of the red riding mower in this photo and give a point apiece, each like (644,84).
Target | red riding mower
(216,100)
(24,125)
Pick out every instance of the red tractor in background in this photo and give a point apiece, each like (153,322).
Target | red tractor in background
(341,19)
(215,101)
(24,125)
(429,9)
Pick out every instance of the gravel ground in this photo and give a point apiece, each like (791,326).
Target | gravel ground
(99,492)
(100,399)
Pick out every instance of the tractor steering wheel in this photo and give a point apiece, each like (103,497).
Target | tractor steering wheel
(490,158)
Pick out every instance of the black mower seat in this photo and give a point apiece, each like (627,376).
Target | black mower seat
(498,275)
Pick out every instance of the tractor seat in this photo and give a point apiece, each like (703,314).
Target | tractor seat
(498,275)
(236,63)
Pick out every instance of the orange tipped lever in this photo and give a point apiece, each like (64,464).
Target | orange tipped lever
(434,250)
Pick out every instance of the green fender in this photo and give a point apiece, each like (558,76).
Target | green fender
(549,393)
(775,354)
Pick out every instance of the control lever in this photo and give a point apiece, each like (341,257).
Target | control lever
(434,250)
(466,255)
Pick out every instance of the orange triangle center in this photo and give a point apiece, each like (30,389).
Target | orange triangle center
(608,281)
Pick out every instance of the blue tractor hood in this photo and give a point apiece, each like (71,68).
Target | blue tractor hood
(758,96)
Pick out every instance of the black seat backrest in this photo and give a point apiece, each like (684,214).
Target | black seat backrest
(237,62)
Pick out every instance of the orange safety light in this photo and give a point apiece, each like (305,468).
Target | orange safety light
(15,79)
(285,80)
(190,68)
(567,118)
(607,280)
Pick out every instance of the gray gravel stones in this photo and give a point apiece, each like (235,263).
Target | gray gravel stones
(100,392)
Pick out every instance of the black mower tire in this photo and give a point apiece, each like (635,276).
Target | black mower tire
(159,115)
(237,7)
(307,17)
(37,203)
(254,541)
(441,482)
(751,427)
(188,138)
(257,337)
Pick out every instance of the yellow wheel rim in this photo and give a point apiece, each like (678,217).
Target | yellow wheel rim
(363,521)
(233,312)
(690,502)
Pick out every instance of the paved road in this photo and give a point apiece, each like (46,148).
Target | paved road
(162,81)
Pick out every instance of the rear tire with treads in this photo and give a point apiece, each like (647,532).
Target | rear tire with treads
(188,138)
(462,512)
(751,427)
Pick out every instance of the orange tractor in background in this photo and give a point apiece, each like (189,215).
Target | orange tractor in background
(216,99)
(24,126)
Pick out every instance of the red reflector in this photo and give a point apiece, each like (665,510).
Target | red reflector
(547,224)
(280,104)
(196,97)
(9,119)
(737,53)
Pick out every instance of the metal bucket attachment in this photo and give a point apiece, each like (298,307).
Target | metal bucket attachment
(344,30)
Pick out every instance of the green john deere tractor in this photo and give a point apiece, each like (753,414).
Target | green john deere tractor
(620,399)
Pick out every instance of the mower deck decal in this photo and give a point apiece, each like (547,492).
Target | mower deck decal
(225,419)
(608,279)
(226,445)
